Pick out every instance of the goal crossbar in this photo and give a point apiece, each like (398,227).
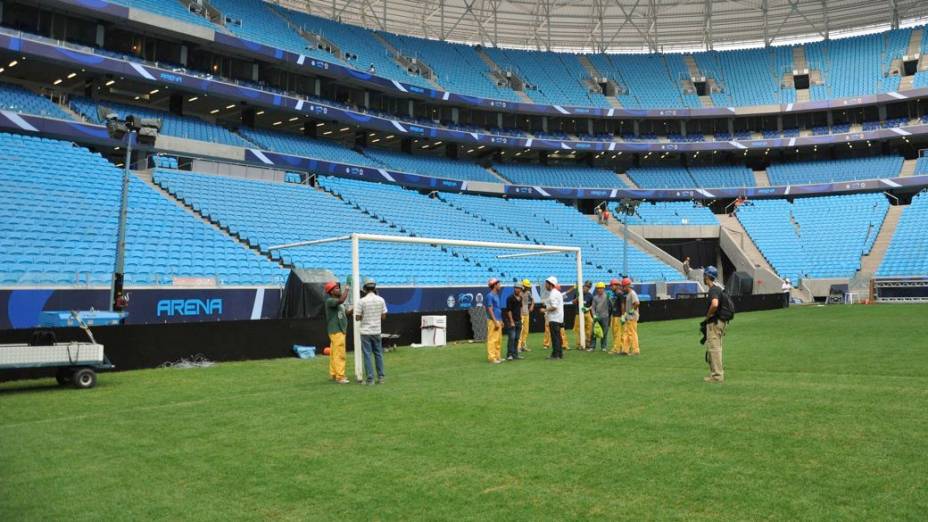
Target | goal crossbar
(356,239)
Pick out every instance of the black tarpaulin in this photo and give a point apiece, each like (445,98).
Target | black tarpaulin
(303,296)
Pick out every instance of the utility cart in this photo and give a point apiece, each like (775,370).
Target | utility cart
(77,362)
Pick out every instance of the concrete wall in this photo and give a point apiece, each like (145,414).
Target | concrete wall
(173,144)
(765,280)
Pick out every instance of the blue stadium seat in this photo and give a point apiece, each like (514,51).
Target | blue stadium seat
(908,251)
(59,225)
(817,237)
(171,125)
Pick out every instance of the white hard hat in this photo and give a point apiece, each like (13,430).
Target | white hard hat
(552,280)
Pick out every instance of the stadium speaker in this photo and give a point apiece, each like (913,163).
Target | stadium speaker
(117,129)
(148,135)
(153,123)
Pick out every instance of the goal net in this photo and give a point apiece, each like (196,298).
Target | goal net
(506,254)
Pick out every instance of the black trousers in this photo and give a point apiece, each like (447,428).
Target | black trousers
(557,351)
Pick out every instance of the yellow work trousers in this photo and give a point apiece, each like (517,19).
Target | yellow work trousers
(547,342)
(494,340)
(616,328)
(337,356)
(630,337)
(587,328)
(523,335)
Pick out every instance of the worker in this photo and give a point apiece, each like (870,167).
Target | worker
(585,309)
(602,311)
(547,339)
(512,316)
(371,311)
(718,315)
(336,322)
(494,321)
(527,304)
(630,319)
(554,315)
(616,309)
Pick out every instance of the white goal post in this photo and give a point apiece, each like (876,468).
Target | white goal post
(356,238)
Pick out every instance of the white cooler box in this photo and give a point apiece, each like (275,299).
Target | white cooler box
(434,330)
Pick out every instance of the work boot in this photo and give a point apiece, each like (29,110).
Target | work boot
(715,380)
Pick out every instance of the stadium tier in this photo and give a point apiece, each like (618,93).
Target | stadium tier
(661,177)
(434,166)
(261,214)
(815,237)
(171,125)
(559,175)
(169,8)
(17,99)
(848,67)
(834,170)
(673,213)
(256,21)
(360,47)
(417,215)
(551,78)
(722,176)
(539,221)
(908,251)
(59,225)
(459,67)
(305,146)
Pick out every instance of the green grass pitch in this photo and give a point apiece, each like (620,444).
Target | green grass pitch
(824,415)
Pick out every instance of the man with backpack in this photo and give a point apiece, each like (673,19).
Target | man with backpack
(721,311)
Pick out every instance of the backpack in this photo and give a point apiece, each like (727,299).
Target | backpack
(726,311)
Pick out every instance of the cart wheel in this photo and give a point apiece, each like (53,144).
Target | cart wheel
(84,378)
(63,377)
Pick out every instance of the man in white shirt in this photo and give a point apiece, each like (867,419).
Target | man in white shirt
(371,311)
(554,315)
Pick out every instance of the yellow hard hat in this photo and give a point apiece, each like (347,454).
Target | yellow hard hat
(600,285)
(526,283)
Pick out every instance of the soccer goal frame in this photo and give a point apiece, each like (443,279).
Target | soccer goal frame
(357,238)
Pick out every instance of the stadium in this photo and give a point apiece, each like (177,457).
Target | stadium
(217,215)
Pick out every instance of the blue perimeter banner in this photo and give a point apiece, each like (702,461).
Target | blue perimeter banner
(21,308)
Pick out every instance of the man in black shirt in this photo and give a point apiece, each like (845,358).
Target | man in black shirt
(512,317)
(717,318)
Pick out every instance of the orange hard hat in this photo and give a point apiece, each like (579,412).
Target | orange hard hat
(331,285)
(626,281)
(614,281)
(492,282)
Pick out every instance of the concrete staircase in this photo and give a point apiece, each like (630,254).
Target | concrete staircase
(691,66)
(502,179)
(643,244)
(146,176)
(524,98)
(706,101)
(914,47)
(629,182)
(915,42)
(761,179)
(870,263)
(908,168)
(594,73)
(799,58)
(800,63)
(744,254)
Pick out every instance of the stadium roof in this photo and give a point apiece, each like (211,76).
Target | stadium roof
(621,25)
